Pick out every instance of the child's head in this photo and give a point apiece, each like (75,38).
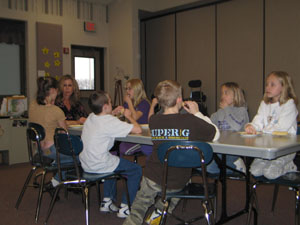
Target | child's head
(279,88)
(167,93)
(135,90)
(47,87)
(98,100)
(232,95)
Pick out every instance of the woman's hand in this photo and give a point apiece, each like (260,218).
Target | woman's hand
(250,129)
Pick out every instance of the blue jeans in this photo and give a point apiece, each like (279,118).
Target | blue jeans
(63,159)
(213,167)
(133,172)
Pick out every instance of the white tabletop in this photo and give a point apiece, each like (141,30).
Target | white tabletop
(265,146)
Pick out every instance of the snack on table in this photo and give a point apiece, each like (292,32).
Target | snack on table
(280,133)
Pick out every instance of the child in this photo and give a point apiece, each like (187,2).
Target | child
(138,104)
(232,115)
(98,135)
(196,126)
(277,112)
(43,111)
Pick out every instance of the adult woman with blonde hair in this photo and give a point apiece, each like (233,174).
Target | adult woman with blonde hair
(68,100)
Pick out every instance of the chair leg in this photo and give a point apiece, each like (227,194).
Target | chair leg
(53,200)
(86,193)
(33,169)
(164,213)
(98,193)
(127,193)
(251,203)
(208,212)
(297,208)
(37,212)
(275,193)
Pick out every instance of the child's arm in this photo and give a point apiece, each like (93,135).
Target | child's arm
(192,107)
(136,127)
(135,114)
(152,107)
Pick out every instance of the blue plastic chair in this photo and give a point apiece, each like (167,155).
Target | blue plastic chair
(72,145)
(187,154)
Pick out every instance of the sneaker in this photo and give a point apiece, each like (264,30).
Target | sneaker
(257,167)
(54,182)
(240,165)
(123,211)
(154,218)
(107,206)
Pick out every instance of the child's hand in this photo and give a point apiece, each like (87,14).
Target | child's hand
(250,129)
(127,99)
(154,102)
(191,107)
(127,113)
(223,104)
(82,120)
(118,111)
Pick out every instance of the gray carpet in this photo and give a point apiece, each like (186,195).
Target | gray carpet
(71,211)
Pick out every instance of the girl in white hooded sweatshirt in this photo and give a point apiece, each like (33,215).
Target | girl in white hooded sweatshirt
(277,112)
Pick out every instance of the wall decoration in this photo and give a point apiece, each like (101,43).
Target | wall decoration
(49,49)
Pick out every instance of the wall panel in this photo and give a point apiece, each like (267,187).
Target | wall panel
(160,51)
(240,48)
(283,38)
(195,43)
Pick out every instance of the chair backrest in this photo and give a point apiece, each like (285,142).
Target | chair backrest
(66,144)
(185,153)
(35,133)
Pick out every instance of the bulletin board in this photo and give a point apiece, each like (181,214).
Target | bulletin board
(49,50)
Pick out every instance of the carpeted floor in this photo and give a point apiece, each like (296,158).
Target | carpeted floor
(71,211)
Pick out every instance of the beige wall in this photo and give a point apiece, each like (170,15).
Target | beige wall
(240,41)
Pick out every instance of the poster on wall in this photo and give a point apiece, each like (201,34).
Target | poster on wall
(49,50)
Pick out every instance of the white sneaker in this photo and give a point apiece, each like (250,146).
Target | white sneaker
(54,182)
(123,211)
(154,218)
(240,165)
(107,206)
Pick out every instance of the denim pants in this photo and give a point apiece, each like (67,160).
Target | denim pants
(63,159)
(213,167)
(133,172)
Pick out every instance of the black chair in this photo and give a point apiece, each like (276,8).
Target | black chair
(290,180)
(188,154)
(197,95)
(77,179)
(41,165)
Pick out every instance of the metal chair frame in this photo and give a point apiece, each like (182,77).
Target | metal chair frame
(35,134)
(72,145)
(291,180)
(187,154)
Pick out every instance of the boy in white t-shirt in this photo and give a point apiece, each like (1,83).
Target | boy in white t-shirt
(98,136)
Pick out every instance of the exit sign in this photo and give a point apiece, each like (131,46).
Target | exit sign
(89,27)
